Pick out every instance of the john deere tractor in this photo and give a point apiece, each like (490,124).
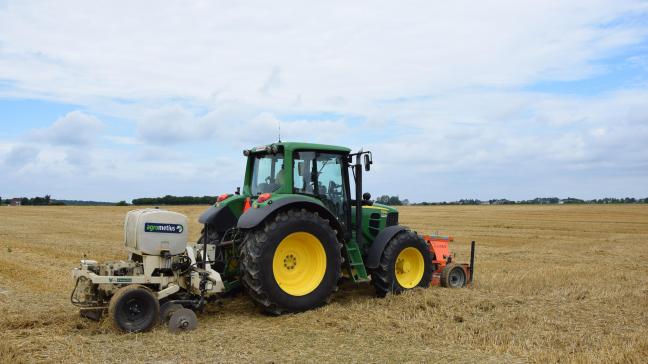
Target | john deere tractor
(287,238)
(296,228)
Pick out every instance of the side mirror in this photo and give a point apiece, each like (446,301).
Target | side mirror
(300,167)
(367,162)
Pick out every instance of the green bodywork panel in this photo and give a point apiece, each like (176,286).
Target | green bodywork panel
(374,220)
(234,203)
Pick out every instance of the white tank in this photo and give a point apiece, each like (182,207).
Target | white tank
(154,231)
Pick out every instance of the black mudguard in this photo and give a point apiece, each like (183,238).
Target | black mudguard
(220,218)
(253,217)
(380,242)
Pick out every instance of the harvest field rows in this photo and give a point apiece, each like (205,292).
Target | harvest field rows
(553,283)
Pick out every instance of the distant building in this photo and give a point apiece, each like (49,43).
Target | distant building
(501,201)
(15,202)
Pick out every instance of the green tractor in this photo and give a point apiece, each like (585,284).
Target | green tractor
(294,230)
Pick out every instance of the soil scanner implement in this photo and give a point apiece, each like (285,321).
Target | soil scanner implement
(287,238)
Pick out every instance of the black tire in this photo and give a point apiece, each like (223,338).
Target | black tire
(384,277)
(453,276)
(257,256)
(166,310)
(134,308)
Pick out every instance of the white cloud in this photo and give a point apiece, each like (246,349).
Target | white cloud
(169,125)
(20,155)
(122,140)
(232,126)
(273,82)
(322,52)
(577,136)
(75,128)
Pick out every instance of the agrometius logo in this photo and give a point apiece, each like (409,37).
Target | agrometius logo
(151,227)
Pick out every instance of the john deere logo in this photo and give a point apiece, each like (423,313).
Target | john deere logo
(151,227)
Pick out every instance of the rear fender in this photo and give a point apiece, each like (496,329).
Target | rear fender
(380,242)
(253,217)
(223,215)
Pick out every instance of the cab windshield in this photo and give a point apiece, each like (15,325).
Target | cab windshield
(267,173)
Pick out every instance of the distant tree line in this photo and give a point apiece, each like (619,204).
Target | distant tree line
(384,199)
(391,200)
(540,201)
(175,200)
(48,200)
(84,203)
(34,201)
(394,201)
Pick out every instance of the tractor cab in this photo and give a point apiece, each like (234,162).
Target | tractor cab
(321,172)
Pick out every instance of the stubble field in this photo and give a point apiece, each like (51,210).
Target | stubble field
(553,284)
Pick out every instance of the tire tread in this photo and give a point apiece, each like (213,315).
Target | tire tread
(252,251)
(383,277)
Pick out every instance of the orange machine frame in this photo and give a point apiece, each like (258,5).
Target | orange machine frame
(440,248)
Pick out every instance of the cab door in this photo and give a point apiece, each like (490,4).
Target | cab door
(323,175)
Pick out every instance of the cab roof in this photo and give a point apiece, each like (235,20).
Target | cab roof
(291,146)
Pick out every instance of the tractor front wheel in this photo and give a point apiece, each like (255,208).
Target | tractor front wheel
(292,262)
(406,263)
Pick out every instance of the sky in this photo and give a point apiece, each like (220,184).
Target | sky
(114,100)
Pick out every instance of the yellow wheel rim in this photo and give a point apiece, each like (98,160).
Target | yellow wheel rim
(409,267)
(299,263)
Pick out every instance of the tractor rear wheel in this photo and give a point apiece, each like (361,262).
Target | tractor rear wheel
(406,263)
(134,308)
(291,263)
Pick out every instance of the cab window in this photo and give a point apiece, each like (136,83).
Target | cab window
(267,173)
(320,174)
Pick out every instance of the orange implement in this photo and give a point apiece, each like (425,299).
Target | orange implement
(442,258)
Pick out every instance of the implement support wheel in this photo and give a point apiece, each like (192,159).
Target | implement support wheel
(453,276)
(134,308)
